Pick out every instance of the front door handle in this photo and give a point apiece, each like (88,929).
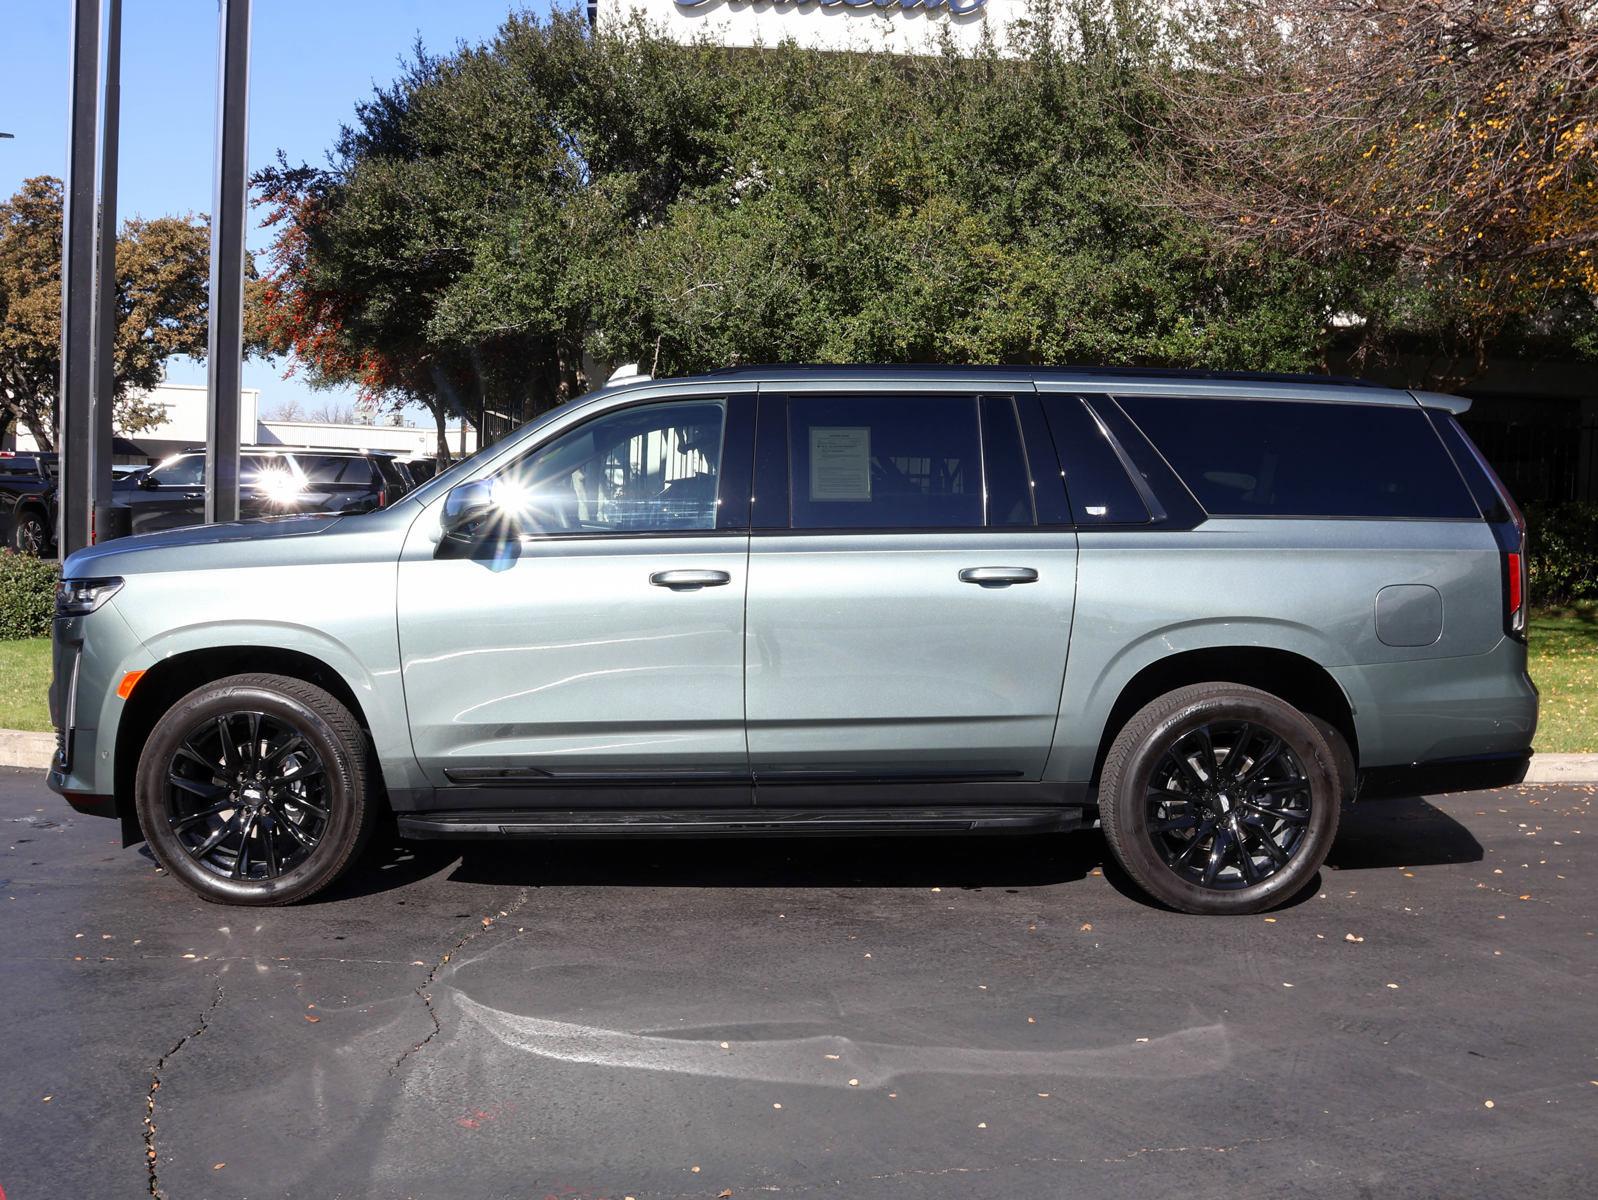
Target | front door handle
(688,581)
(998,576)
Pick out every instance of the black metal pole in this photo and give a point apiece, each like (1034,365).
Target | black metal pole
(75,418)
(225,344)
(105,277)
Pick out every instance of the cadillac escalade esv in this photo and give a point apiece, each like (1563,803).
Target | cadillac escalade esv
(1204,611)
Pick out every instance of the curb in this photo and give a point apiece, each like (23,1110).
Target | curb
(19,749)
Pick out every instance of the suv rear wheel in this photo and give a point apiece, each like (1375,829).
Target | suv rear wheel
(30,534)
(253,790)
(1220,798)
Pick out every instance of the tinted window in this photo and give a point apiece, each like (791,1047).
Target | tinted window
(885,462)
(645,468)
(1004,468)
(1270,458)
(185,470)
(328,471)
(393,475)
(1478,475)
(1100,490)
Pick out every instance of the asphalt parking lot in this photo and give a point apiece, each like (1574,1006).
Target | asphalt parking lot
(976,1017)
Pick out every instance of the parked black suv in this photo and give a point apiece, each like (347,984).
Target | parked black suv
(273,481)
(27,502)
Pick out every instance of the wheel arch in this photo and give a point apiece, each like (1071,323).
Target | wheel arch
(172,678)
(1300,681)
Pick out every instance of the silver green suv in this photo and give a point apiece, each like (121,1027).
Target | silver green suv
(1204,611)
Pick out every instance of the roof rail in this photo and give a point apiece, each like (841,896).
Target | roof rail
(1026,369)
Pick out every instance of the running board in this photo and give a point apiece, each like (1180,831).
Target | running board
(744,822)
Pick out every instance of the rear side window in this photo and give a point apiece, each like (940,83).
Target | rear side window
(885,462)
(392,475)
(1101,491)
(329,471)
(1272,458)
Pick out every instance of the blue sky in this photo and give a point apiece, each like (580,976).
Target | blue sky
(311,61)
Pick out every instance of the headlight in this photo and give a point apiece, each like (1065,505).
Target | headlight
(79,597)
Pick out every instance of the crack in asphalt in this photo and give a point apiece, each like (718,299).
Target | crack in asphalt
(483,925)
(150,1157)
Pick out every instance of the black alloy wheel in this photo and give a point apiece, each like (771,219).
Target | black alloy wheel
(253,789)
(1221,798)
(246,796)
(1229,804)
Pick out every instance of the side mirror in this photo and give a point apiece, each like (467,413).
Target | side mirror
(148,482)
(473,514)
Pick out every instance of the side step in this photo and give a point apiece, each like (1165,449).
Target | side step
(745,822)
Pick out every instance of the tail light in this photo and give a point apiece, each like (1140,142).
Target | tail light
(382,497)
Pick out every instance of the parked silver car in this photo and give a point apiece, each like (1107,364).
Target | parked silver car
(1202,610)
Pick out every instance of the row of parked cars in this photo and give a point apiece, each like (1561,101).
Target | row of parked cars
(273,481)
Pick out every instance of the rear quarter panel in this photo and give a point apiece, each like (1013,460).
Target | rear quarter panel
(1304,586)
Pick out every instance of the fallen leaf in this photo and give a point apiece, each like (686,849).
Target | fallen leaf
(776,1106)
(217,1166)
(1487,1104)
(312,1018)
(854,1083)
(695,1170)
(1352,937)
(982,1124)
(1394,986)
(47,1099)
(1087,927)
(723,1194)
(1270,920)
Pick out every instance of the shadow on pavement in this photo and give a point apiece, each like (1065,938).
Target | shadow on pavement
(1406,832)
(1374,835)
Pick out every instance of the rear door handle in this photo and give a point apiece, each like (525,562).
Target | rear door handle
(687,581)
(998,576)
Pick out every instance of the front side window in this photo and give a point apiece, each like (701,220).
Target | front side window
(185,470)
(885,462)
(654,467)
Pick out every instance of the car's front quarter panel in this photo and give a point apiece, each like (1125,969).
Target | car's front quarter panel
(329,597)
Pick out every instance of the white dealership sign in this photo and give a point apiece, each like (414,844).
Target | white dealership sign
(903,26)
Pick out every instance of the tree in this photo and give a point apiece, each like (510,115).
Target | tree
(161,298)
(1451,145)
(496,215)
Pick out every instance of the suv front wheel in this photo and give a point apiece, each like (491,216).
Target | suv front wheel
(253,790)
(1220,798)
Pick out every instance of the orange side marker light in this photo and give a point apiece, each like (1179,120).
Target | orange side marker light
(129,681)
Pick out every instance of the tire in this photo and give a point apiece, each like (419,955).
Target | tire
(1191,829)
(30,534)
(254,790)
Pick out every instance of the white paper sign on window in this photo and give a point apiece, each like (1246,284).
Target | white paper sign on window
(840,462)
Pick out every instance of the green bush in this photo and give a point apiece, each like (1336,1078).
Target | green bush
(1562,552)
(27,595)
